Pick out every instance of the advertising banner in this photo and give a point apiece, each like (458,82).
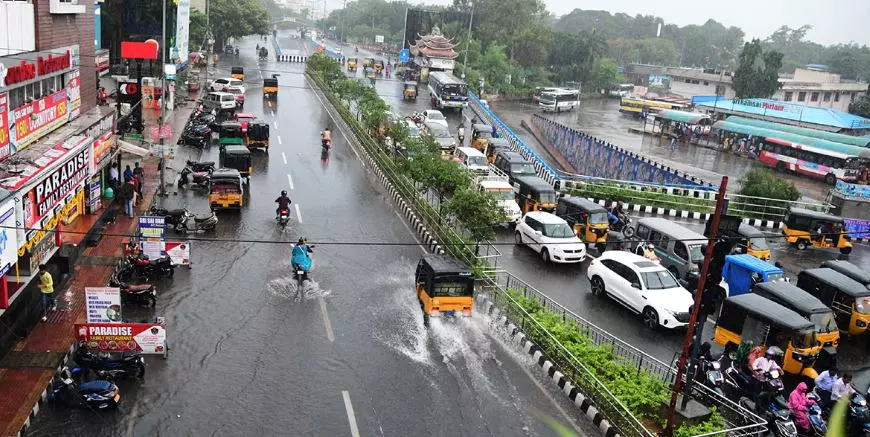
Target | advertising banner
(659,82)
(4,126)
(152,249)
(182,29)
(103,149)
(177,251)
(8,237)
(74,93)
(103,304)
(151,227)
(41,200)
(149,338)
(36,119)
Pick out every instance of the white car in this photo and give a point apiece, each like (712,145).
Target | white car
(220,84)
(434,116)
(551,237)
(642,286)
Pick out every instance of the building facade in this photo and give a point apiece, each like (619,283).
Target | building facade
(819,88)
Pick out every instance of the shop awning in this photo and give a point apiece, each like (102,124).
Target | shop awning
(683,116)
(133,149)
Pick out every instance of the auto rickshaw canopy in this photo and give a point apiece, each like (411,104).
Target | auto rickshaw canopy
(237,157)
(410,85)
(761,308)
(792,296)
(482,131)
(436,269)
(837,280)
(352,60)
(742,271)
(230,129)
(805,220)
(258,130)
(848,269)
(270,82)
(237,70)
(225,175)
(585,205)
(368,62)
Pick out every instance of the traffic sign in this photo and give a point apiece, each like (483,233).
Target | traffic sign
(404,54)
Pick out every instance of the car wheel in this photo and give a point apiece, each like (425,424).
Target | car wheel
(650,318)
(597,286)
(802,244)
(545,255)
(518,238)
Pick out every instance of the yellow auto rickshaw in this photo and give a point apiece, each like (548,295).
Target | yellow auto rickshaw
(409,90)
(237,73)
(804,228)
(270,88)
(480,135)
(237,157)
(495,145)
(587,218)
(534,194)
(444,286)
(257,135)
(848,298)
(750,317)
(351,64)
(225,189)
(379,67)
(368,63)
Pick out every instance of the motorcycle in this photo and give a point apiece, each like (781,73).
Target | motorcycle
(300,274)
(623,226)
(200,178)
(148,269)
(283,218)
(817,422)
(771,403)
(199,137)
(129,364)
(712,371)
(743,384)
(206,166)
(98,394)
(175,218)
(858,420)
(201,223)
(143,294)
(417,118)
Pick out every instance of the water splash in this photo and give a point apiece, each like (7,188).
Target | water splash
(287,287)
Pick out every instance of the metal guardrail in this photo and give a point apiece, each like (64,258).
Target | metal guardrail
(739,421)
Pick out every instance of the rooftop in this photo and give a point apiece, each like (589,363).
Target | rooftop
(434,45)
(790,111)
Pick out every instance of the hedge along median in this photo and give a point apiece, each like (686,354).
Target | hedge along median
(641,392)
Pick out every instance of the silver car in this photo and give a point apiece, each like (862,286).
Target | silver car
(442,135)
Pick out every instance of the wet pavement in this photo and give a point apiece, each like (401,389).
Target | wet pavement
(252,354)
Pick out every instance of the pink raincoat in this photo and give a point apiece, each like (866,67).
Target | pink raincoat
(798,404)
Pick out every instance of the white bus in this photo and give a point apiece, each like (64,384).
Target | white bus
(447,91)
(559,100)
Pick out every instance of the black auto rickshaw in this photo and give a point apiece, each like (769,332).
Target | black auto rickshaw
(752,318)
(480,135)
(225,189)
(804,228)
(587,218)
(379,67)
(369,63)
(237,73)
(812,309)
(409,90)
(230,133)
(534,194)
(851,270)
(444,286)
(849,299)
(258,135)
(495,145)
(237,157)
(351,64)
(270,87)
(753,241)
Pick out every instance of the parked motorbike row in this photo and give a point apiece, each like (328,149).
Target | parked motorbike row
(179,220)
(197,131)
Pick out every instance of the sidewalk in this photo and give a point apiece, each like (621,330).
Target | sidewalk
(26,372)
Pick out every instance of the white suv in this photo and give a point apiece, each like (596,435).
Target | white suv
(220,84)
(642,286)
(551,237)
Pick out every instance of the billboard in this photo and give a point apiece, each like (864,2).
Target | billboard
(103,304)
(660,82)
(40,117)
(149,338)
(182,30)
(74,93)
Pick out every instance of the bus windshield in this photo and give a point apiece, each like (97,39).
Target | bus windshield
(455,89)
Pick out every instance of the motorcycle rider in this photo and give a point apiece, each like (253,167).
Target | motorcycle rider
(300,260)
(237,52)
(615,215)
(283,204)
(461,133)
(760,367)
(326,137)
(799,404)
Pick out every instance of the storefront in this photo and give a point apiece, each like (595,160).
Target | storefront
(103,150)
(48,195)
(8,247)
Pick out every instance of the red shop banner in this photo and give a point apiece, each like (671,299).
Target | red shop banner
(54,188)
(4,125)
(74,94)
(40,117)
(149,338)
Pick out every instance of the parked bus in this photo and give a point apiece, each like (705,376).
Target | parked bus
(813,161)
(447,91)
(536,97)
(559,100)
(635,106)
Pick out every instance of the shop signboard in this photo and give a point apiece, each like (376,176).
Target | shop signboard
(101,59)
(151,227)
(34,120)
(149,338)
(8,237)
(74,94)
(103,304)
(4,126)
(659,81)
(182,28)
(444,64)
(177,251)
(853,191)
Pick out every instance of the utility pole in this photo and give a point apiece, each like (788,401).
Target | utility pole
(696,311)
(405,32)
(161,191)
(467,42)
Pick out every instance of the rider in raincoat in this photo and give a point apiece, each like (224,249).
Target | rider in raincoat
(300,260)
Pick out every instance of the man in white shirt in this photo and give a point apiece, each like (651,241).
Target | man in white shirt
(765,364)
(843,387)
(113,177)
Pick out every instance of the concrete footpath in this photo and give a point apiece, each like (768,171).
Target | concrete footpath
(26,373)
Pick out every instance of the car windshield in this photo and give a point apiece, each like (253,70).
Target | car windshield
(435,116)
(547,197)
(758,243)
(522,168)
(825,322)
(558,230)
(438,131)
(659,280)
(446,289)
(804,338)
(695,253)
(236,83)
(598,218)
(479,161)
(503,195)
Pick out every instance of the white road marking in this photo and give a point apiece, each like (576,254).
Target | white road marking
(284,157)
(275,123)
(351,417)
(290,180)
(413,235)
(279,139)
(329,335)
(273,111)
(298,213)
(270,105)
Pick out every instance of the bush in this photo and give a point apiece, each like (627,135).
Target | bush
(774,196)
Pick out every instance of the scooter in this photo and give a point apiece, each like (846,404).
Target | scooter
(98,394)
(147,269)
(206,166)
(130,364)
(858,421)
(712,371)
(143,294)
(174,218)
(200,178)
(283,218)
(201,223)
(817,422)
(197,138)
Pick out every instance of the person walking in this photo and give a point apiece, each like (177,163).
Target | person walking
(46,286)
(139,172)
(673,144)
(825,385)
(128,174)
(113,178)
(125,196)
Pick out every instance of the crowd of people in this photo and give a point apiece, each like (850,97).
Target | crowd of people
(129,193)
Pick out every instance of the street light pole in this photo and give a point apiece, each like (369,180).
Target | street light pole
(162,189)
(467,43)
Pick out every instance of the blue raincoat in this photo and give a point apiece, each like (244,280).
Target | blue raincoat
(300,257)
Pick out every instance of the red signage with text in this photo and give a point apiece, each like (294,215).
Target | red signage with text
(38,118)
(139,50)
(50,64)
(4,125)
(123,337)
(44,65)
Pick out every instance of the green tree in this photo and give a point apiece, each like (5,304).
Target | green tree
(477,210)
(757,73)
(604,75)
(238,18)
(197,30)
(765,183)
(658,51)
